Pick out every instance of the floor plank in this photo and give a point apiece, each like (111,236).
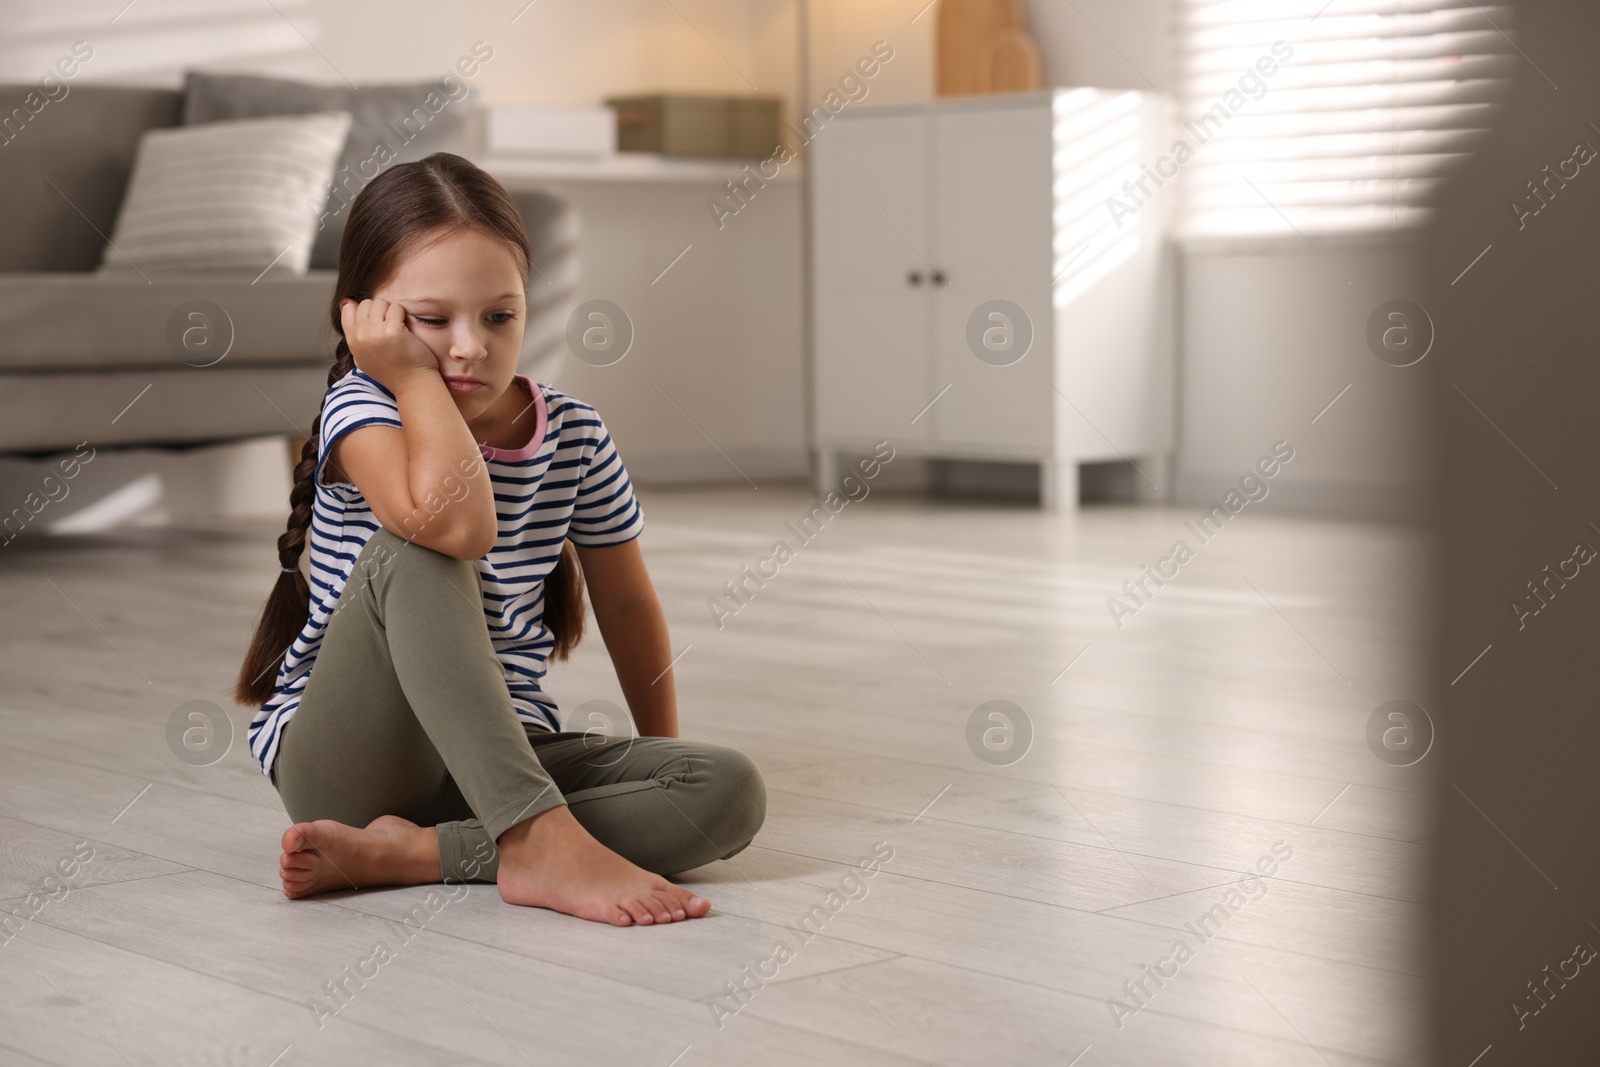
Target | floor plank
(1364,1010)
(429,987)
(898,1004)
(35,860)
(68,999)
(1166,756)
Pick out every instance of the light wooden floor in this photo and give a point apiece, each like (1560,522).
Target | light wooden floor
(1228,715)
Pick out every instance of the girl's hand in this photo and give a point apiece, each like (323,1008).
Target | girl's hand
(382,343)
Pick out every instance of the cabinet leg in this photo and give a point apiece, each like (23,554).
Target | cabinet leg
(1058,484)
(827,471)
(1159,469)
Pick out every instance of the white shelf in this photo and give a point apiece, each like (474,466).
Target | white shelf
(628,167)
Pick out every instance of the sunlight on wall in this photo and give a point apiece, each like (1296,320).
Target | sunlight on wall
(1346,120)
(1096,150)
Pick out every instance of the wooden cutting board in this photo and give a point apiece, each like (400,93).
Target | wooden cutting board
(984,47)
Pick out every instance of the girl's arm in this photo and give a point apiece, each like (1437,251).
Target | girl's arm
(426,482)
(635,633)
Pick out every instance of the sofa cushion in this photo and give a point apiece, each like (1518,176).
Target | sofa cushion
(55,322)
(390,124)
(63,170)
(41,413)
(227,196)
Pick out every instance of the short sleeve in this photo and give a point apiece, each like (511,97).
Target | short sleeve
(605,511)
(355,400)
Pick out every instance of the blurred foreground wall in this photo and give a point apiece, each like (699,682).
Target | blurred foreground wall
(1516,882)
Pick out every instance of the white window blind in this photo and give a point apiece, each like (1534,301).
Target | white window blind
(1354,131)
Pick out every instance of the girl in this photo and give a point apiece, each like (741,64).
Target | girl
(457,511)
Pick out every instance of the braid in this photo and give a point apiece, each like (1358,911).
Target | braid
(291,545)
(289,603)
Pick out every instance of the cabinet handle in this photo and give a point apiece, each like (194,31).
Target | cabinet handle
(939,278)
(914,278)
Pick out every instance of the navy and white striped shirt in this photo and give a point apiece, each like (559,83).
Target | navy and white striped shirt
(566,483)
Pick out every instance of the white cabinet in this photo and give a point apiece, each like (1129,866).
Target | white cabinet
(926,215)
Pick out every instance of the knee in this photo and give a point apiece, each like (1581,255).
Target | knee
(743,795)
(389,554)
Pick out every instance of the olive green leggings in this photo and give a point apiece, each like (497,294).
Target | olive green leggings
(407,713)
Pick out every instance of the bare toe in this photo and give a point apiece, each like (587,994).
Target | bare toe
(661,905)
(693,906)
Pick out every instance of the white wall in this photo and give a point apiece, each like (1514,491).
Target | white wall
(151,42)
(1117,44)
(581,53)
(844,30)
(1272,335)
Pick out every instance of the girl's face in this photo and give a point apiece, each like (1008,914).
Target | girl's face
(464,299)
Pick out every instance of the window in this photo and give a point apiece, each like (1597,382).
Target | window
(1343,120)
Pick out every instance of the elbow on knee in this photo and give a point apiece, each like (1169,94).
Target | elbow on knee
(456,540)
(468,545)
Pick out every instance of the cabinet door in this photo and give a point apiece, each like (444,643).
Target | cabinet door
(993,229)
(871,226)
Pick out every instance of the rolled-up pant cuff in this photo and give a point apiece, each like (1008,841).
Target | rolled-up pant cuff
(467,851)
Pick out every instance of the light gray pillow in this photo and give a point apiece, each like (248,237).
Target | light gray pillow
(229,196)
(389,124)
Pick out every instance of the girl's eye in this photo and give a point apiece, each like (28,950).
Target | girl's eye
(498,318)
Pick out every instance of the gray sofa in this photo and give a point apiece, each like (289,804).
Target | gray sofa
(91,357)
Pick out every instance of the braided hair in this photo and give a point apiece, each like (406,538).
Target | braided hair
(395,212)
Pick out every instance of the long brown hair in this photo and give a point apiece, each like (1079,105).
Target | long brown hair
(390,216)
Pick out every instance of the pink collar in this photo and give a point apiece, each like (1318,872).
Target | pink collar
(535,440)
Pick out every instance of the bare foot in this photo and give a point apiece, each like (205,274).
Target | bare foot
(326,855)
(551,861)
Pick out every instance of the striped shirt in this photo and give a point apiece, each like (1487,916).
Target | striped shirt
(566,483)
